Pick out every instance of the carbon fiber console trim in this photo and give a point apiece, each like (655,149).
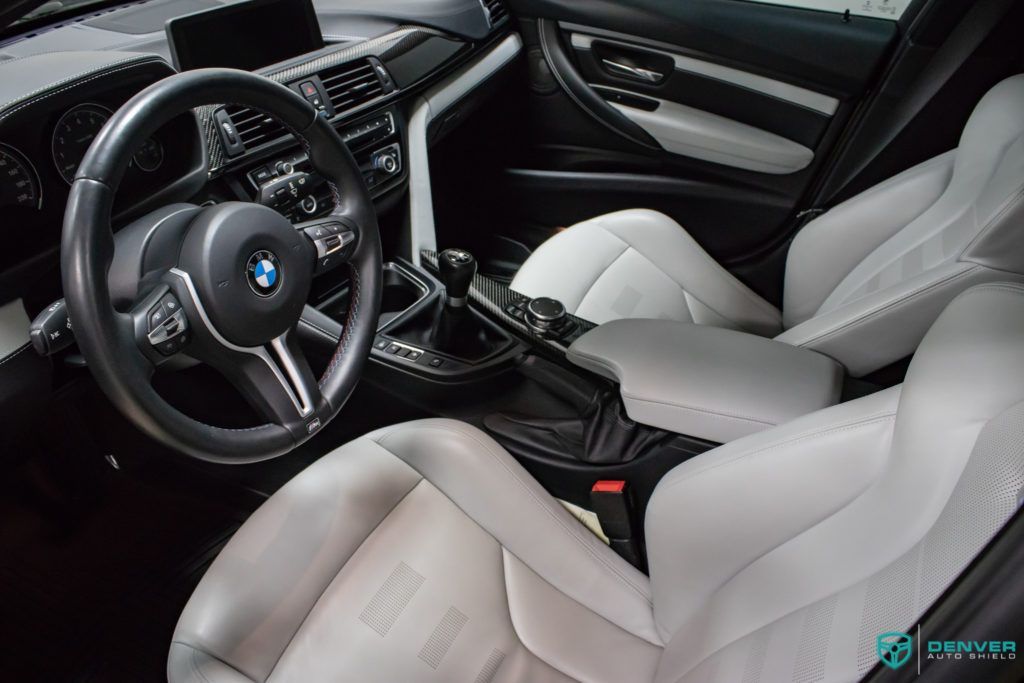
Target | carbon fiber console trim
(494,297)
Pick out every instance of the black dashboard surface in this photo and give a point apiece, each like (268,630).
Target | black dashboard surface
(139,26)
(52,102)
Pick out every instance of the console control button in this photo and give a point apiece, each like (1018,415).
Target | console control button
(261,174)
(545,313)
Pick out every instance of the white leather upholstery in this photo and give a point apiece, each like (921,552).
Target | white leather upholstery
(863,281)
(423,552)
(723,385)
(404,526)
(641,264)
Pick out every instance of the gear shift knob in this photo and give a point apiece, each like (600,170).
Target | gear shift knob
(456,268)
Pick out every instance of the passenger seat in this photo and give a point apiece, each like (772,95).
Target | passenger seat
(863,282)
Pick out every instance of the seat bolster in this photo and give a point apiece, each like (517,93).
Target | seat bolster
(261,587)
(186,664)
(563,633)
(885,326)
(692,553)
(827,249)
(641,264)
(490,487)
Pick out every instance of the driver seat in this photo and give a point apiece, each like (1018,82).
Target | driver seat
(425,552)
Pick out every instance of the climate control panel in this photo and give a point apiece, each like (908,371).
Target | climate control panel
(290,185)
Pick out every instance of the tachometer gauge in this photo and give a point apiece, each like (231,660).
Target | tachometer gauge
(74,133)
(19,182)
(150,156)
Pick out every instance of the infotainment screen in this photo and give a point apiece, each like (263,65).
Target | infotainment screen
(246,35)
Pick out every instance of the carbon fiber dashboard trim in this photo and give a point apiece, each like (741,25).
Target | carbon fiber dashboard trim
(383,47)
(493,296)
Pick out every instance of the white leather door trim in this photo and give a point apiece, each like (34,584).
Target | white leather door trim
(823,104)
(702,135)
(436,101)
(879,9)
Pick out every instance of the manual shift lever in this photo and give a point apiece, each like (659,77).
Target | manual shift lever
(450,326)
(456,267)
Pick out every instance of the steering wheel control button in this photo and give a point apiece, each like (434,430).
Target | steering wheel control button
(170,304)
(157,316)
(170,334)
(264,273)
(318,232)
(331,241)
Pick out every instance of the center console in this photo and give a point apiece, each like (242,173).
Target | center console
(707,382)
(288,183)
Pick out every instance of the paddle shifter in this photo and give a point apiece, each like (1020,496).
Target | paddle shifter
(456,267)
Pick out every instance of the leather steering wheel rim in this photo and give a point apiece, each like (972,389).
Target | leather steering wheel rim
(104,334)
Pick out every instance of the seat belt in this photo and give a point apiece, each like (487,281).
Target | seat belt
(961,43)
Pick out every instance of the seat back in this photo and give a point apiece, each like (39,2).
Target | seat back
(879,268)
(784,555)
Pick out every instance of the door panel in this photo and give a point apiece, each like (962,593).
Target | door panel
(791,111)
(735,104)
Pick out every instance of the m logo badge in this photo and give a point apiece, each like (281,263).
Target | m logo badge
(894,648)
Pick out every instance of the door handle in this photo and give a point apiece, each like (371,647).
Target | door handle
(634,72)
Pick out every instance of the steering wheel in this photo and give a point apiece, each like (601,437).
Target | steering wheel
(223,284)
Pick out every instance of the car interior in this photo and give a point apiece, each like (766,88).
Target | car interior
(670,341)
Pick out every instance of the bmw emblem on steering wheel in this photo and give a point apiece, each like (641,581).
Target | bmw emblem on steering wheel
(263,271)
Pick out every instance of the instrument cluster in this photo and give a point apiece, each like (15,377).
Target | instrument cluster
(73,133)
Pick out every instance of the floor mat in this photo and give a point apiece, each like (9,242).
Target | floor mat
(95,570)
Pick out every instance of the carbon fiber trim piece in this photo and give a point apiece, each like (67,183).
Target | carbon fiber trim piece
(493,296)
(383,47)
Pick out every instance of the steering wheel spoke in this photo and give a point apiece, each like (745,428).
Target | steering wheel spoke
(277,382)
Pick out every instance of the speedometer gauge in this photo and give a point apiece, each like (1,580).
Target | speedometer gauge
(19,182)
(74,133)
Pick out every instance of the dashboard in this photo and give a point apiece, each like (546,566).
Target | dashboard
(43,140)
(57,101)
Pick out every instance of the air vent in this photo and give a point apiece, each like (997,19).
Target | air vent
(352,84)
(496,11)
(254,128)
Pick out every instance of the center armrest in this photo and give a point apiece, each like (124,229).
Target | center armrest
(707,382)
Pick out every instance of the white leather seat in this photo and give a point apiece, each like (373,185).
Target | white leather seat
(863,281)
(424,552)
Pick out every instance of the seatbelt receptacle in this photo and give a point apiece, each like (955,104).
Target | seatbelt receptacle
(611,503)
